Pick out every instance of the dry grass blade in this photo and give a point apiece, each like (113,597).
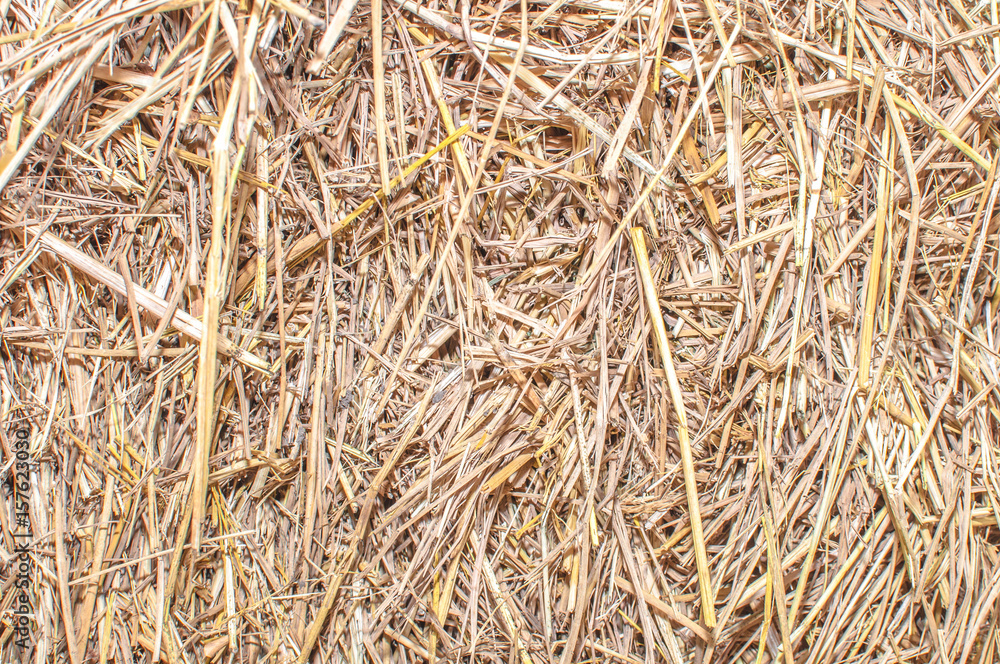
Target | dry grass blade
(687,459)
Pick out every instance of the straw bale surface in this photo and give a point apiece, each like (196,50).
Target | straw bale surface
(556,331)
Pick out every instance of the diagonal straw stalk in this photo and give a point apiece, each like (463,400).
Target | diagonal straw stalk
(687,459)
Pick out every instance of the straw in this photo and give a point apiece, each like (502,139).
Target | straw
(536,332)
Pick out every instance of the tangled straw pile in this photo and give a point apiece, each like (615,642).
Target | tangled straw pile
(655,331)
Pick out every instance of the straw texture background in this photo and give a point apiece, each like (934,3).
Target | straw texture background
(499,331)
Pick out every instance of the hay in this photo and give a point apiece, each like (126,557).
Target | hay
(540,332)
